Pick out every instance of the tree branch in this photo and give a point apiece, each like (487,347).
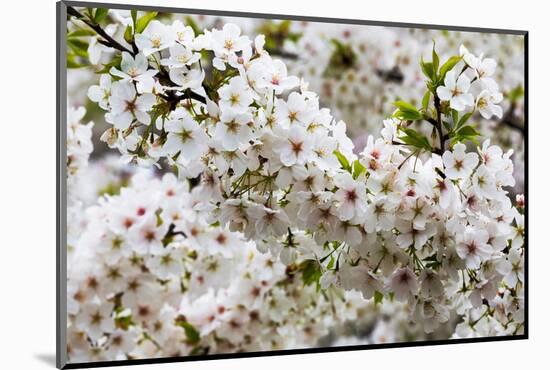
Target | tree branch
(510,120)
(282,54)
(108,41)
(100,31)
(174,99)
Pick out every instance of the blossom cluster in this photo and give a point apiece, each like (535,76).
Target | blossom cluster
(261,165)
(359,70)
(386,61)
(149,277)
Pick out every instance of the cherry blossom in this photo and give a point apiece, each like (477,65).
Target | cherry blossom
(456,91)
(272,210)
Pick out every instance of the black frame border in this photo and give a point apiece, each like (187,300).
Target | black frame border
(61,194)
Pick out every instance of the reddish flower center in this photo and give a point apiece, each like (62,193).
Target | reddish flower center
(351,195)
(221,239)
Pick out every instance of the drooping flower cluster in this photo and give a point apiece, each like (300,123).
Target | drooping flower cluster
(427,222)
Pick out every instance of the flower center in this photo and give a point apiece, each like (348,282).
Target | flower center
(131,106)
(149,235)
(441,185)
(232,127)
(456,92)
(292,116)
(166,260)
(229,44)
(221,239)
(182,58)
(186,135)
(482,103)
(297,146)
(133,71)
(155,40)
(351,195)
(234,99)
(458,164)
(96,318)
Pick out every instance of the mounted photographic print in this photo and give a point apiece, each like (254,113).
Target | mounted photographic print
(238,184)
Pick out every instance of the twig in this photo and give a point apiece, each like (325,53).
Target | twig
(100,31)
(174,99)
(282,54)
(108,41)
(511,121)
(172,231)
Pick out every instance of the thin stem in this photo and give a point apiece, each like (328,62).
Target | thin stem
(438,125)
(407,158)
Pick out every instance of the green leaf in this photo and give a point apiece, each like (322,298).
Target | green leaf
(330,263)
(407,116)
(516,93)
(128,34)
(100,14)
(311,272)
(133,13)
(415,139)
(378,297)
(455,116)
(463,119)
(467,131)
(447,125)
(142,22)
(426,101)
(72,62)
(192,334)
(447,66)
(80,33)
(407,111)
(90,12)
(343,161)
(191,23)
(115,62)
(79,47)
(358,169)
(123,322)
(435,58)
(427,69)
(404,106)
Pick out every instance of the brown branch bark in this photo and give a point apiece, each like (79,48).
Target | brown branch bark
(108,40)
(510,120)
